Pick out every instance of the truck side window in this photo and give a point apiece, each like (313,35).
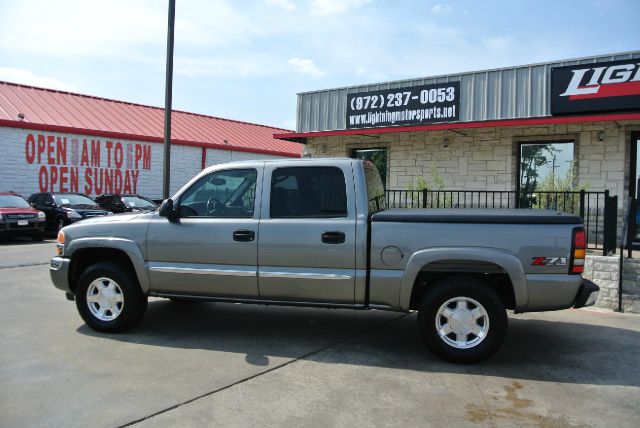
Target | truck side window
(221,194)
(303,192)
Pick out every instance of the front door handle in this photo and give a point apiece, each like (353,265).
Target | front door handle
(244,235)
(333,237)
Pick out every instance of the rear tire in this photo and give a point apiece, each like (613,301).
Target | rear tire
(462,319)
(109,298)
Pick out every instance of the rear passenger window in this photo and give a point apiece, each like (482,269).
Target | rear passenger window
(314,192)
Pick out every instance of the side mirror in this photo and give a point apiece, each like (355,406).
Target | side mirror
(167,210)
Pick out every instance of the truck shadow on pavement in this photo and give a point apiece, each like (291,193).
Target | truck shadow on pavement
(4,241)
(535,349)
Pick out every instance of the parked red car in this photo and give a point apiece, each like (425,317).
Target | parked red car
(18,218)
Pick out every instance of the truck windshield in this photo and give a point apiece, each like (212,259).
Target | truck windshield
(375,188)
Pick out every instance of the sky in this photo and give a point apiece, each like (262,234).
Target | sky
(247,60)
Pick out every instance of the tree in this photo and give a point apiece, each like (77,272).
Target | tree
(556,192)
(532,157)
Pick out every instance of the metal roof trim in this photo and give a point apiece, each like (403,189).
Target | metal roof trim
(547,120)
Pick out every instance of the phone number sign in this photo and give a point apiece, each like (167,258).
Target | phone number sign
(415,105)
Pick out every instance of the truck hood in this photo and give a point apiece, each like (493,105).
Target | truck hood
(476,215)
(116,218)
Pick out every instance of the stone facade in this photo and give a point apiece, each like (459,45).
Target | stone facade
(604,271)
(486,158)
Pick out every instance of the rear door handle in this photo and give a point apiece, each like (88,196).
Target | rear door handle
(244,235)
(333,237)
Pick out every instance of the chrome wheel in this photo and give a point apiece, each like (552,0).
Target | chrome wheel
(105,299)
(462,322)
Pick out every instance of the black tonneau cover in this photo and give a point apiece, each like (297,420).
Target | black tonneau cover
(475,215)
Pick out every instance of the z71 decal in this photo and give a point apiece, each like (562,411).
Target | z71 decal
(549,261)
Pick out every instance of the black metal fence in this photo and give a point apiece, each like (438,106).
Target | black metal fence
(597,209)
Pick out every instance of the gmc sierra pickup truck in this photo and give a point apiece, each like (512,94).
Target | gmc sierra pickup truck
(315,232)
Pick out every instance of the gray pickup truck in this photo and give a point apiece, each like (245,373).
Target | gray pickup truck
(315,232)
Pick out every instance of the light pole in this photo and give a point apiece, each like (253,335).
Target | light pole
(167,102)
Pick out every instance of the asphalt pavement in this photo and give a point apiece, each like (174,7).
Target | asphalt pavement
(238,365)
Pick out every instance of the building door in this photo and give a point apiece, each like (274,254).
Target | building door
(545,168)
(634,179)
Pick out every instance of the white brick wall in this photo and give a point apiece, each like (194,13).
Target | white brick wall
(24,177)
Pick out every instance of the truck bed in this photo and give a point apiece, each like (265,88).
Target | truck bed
(476,215)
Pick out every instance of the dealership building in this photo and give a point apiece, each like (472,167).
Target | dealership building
(64,142)
(471,129)
(517,136)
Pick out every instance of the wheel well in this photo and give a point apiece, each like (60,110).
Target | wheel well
(490,273)
(85,257)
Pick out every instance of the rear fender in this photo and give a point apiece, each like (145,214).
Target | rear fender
(506,260)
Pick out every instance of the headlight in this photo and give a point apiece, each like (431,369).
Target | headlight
(41,216)
(73,214)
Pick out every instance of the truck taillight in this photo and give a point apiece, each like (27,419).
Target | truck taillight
(578,250)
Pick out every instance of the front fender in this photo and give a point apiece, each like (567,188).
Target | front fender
(506,260)
(129,247)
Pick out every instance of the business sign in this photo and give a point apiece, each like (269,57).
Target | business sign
(86,165)
(415,105)
(596,87)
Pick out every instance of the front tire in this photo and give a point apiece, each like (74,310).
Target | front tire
(462,319)
(109,298)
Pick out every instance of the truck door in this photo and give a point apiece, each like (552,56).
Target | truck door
(211,249)
(306,250)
